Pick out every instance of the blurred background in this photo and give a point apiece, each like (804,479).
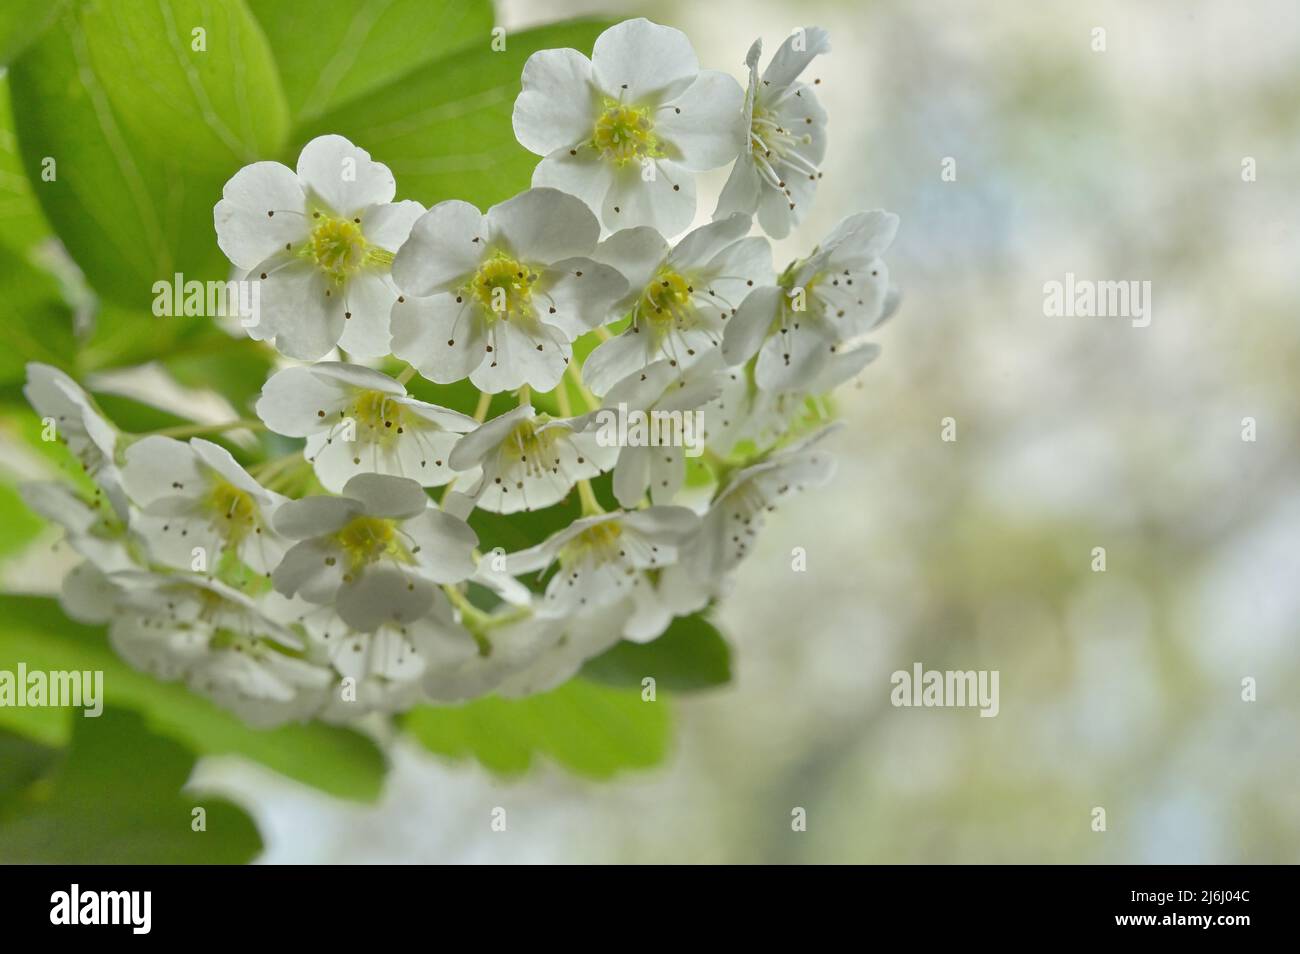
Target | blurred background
(1119,689)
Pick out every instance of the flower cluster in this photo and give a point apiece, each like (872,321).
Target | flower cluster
(356,573)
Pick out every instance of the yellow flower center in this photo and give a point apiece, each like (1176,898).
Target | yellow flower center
(600,542)
(666,300)
(339,247)
(367,539)
(503,287)
(624,133)
(379,418)
(233,510)
(530,447)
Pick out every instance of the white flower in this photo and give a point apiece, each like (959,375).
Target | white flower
(743,411)
(727,530)
(515,647)
(376,552)
(381,670)
(79,426)
(605,559)
(220,643)
(499,297)
(529,460)
(679,299)
(626,130)
(88,594)
(196,495)
(97,533)
(777,171)
(660,393)
(361,421)
(320,243)
(583,638)
(838,292)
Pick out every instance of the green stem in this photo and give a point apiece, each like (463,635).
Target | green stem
(590,505)
(481,410)
(407,373)
(196,430)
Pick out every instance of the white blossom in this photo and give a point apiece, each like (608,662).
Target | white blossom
(376,552)
(778,169)
(499,296)
(679,299)
(530,460)
(196,495)
(838,292)
(606,559)
(626,130)
(80,427)
(357,420)
(319,241)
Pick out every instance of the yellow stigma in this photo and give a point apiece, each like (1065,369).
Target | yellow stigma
(599,541)
(339,247)
(666,299)
(378,416)
(233,511)
(624,133)
(367,539)
(503,286)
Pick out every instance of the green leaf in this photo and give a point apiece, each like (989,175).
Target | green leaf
(22,21)
(116,799)
(445,128)
(356,47)
(20,524)
(34,630)
(142,133)
(35,322)
(22,224)
(22,762)
(591,730)
(690,655)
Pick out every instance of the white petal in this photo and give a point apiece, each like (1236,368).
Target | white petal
(443,338)
(557,106)
(577,294)
(632,475)
(446,545)
(245,232)
(368,299)
(314,516)
(615,359)
(474,447)
(382,496)
(749,326)
(344,176)
(741,192)
(643,61)
(705,124)
(444,248)
(860,238)
(698,247)
(637,254)
(382,595)
(580,172)
(667,472)
(787,63)
(388,226)
(297,401)
(533,356)
(665,203)
(156,465)
(301,309)
(543,225)
(312,569)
